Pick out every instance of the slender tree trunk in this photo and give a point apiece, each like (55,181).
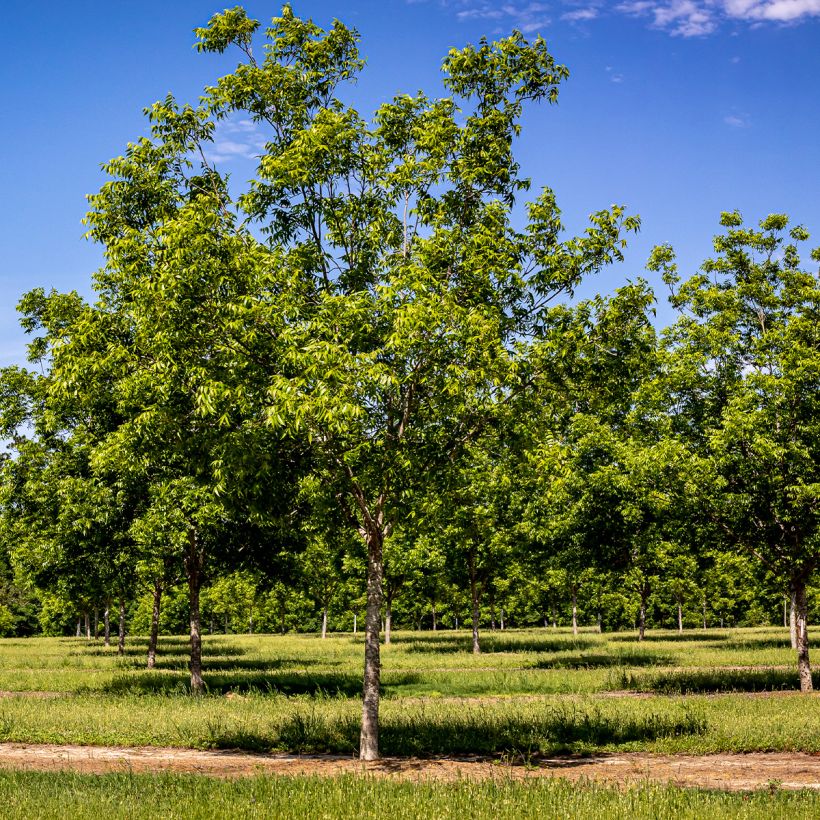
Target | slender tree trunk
(680,617)
(600,622)
(801,612)
(87,627)
(574,611)
(704,613)
(785,612)
(369,738)
(154,633)
(121,629)
(193,569)
(474,599)
(96,623)
(546,623)
(793,620)
(107,622)
(435,619)
(355,624)
(388,616)
(503,623)
(226,623)
(250,624)
(79,627)
(642,618)
(324,623)
(554,619)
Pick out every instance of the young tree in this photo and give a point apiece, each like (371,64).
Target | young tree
(743,372)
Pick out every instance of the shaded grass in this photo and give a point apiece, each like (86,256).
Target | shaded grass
(683,682)
(89,797)
(593,660)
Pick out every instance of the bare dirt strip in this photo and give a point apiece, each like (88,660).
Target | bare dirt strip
(734,772)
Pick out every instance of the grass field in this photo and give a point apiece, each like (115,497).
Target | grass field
(28,795)
(530,693)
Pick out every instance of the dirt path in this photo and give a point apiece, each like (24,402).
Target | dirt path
(728,771)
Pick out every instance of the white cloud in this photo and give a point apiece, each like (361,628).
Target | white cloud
(737,120)
(235,140)
(581,15)
(683,18)
(695,18)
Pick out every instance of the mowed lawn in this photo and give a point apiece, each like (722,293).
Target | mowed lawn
(529,693)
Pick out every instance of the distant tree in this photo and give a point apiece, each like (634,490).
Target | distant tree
(743,375)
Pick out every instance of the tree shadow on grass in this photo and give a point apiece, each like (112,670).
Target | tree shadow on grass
(761,643)
(705,638)
(317,684)
(494,643)
(419,734)
(600,660)
(167,647)
(685,682)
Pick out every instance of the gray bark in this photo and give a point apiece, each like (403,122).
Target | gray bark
(154,633)
(87,627)
(474,598)
(574,611)
(680,617)
(369,738)
(107,623)
(801,618)
(793,620)
(121,629)
(193,569)
(324,623)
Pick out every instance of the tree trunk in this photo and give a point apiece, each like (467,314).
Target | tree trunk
(355,624)
(107,622)
(680,617)
(96,623)
(704,613)
(574,611)
(554,619)
(388,616)
(600,622)
(324,623)
(435,619)
(503,625)
(154,633)
(121,629)
(87,626)
(79,627)
(474,599)
(369,738)
(250,624)
(193,569)
(793,621)
(785,611)
(226,623)
(801,612)
(642,619)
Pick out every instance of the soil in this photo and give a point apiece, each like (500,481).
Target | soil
(734,772)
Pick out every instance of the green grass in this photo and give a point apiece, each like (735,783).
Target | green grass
(532,692)
(27,795)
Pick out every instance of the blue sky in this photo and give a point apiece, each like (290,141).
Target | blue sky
(677,108)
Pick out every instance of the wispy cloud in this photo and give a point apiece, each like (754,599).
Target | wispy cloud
(236,140)
(528,17)
(696,18)
(581,15)
(683,18)
(737,120)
